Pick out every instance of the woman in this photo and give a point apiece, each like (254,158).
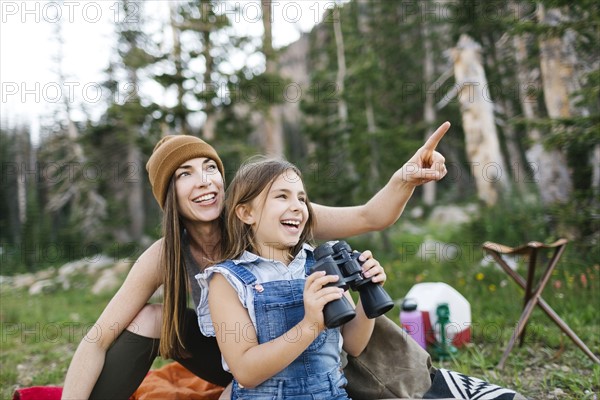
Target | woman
(192,198)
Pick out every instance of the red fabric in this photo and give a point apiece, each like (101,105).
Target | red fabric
(38,393)
(462,337)
(429,333)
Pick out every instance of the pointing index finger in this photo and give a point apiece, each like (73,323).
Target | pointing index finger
(436,136)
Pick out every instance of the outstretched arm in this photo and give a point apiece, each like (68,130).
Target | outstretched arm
(386,206)
(143,279)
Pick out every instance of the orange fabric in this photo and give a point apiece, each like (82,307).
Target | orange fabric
(173,381)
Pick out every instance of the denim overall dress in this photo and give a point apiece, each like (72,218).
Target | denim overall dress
(316,374)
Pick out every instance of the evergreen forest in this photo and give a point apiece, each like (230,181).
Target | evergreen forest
(349,103)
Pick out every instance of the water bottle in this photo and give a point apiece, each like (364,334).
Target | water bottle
(412,321)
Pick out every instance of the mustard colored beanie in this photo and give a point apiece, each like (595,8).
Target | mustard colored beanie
(168,154)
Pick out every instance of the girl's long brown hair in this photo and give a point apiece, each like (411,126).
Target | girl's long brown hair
(175,278)
(254,176)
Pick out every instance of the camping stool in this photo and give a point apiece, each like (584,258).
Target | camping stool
(533,296)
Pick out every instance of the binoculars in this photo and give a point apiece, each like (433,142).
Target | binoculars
(342,261)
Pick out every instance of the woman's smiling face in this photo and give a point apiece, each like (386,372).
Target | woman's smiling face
(200,191)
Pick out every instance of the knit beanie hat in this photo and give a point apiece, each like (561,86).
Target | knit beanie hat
(168,154)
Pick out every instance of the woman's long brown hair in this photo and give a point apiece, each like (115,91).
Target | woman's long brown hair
(175,278)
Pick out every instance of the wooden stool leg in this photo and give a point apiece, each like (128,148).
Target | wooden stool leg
(518,329)
(565,328)
(529,286)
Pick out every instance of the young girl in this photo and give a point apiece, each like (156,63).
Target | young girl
(267,314)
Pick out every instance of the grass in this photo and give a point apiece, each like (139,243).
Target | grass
(40,333)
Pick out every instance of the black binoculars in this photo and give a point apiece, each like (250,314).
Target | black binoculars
(340,260)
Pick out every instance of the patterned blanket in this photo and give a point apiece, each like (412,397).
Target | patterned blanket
(454,385)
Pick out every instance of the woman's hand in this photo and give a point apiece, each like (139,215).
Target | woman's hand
(317,294)
(371,268)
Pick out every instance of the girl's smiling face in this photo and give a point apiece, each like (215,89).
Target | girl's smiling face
(277,216)
(199,188)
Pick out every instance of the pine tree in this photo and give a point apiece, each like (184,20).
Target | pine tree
(201,43)
(127,124)
(73,198)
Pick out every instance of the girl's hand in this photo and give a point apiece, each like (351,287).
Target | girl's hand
(426,164)
(317,294)
(371,268)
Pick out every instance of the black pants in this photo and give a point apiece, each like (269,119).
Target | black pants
(130,357)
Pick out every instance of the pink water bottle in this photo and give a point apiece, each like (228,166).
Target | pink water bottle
(412,321)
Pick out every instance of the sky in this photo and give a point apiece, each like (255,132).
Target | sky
(30,51)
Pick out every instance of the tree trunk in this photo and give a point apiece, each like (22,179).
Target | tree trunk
(341,72)
(429,112)
(343,160)
(273,139)
(24,165)
(483,147)
(596,174)
(499,60)
(180,114)
(135,192)
(556,72)
(87,206)
(208,129)
(363,27)
(371,130)
(364,20)
(541,161)
(556,184)
(551,168)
